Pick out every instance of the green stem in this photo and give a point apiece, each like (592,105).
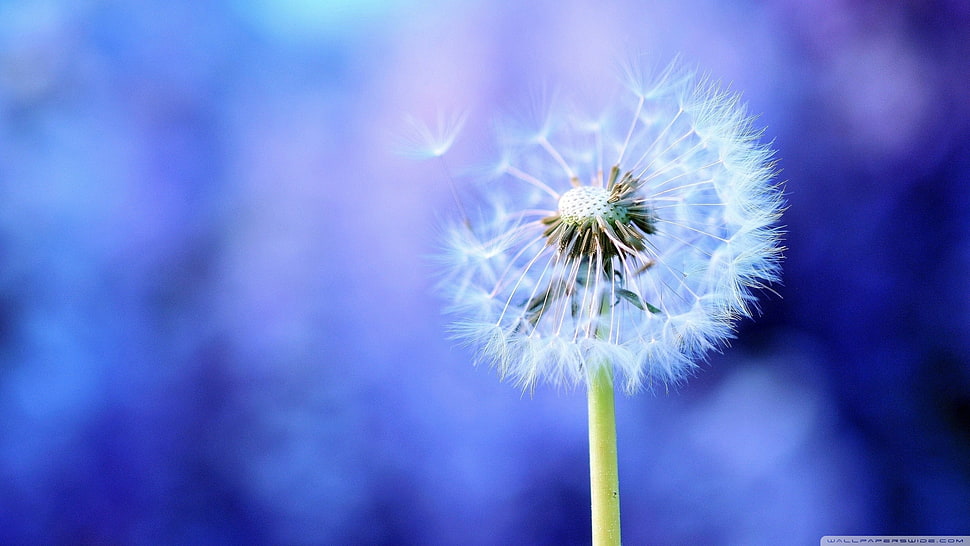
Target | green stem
(604,477)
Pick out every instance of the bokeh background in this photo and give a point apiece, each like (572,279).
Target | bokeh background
(217,322)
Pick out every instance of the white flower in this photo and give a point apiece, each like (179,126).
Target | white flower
(632,239)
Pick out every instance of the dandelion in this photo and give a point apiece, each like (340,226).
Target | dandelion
(619,245)
(630,240)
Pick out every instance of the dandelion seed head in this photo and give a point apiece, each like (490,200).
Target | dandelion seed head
(632,237)
(588,204)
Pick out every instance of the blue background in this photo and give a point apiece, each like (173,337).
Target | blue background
(217,322)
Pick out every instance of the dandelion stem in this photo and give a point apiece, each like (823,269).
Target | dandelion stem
(604,478)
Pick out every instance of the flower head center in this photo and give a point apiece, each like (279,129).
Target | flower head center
(587,204)
(602,223)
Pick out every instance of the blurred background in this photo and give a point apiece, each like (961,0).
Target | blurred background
(217,322)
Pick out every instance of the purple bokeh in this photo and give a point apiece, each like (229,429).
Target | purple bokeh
(217,318)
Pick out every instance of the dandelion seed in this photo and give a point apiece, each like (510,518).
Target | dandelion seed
(423,141)
(639,270)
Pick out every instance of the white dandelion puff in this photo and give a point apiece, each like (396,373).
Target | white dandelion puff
(632,239)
